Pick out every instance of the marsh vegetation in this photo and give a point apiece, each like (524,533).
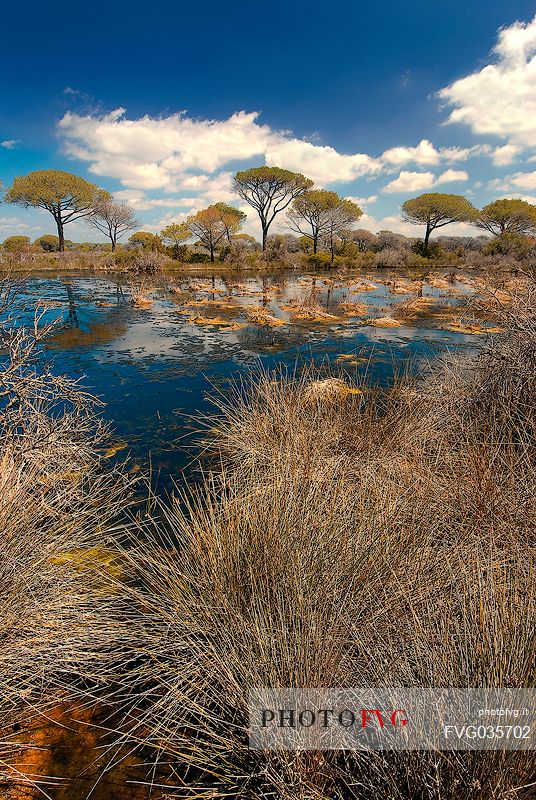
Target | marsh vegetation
(352,526)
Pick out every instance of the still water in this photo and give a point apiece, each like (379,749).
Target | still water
(155,351)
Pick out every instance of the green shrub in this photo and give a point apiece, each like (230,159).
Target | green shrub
(49,243)
(319,260)
(16,244)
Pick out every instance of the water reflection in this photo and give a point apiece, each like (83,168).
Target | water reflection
(154,365)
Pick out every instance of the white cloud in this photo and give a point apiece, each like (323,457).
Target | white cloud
(410,182)
(500,99)
(514,182)
(154,153)
(161,153)
(502,156)
(363,201)
(426,154)
(9,144)
(395,223)
(417,181)
(321,163)
(14,225)
(207,189)
(523,180)
(169,153)
(452,175)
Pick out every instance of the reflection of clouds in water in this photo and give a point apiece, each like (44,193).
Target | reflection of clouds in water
(148,365)
(406,334)
(168,339)
(162,333)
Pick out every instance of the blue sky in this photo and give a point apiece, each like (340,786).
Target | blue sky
(378,101)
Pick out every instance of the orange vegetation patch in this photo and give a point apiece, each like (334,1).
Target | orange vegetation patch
(410,309)
(260,316)
(439,283)
(224,323)
(351,359)
(383,322)
(330,390)
(201,286)
(363,286)
(354,309)
(473,328)
(141,301)
(313,315)
(400,287)
(224,304)
(62,756)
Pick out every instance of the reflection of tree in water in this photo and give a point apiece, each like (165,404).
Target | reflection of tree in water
(75,333)
(73,317)
(97,333)
(272,339)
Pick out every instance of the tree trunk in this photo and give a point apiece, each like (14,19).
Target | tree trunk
(212,252)
(264,237)
(113,244)
(426,240)
(61,238)
(315,244)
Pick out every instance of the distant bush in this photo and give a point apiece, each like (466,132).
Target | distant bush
(49,243)
(199,258)
(17,244)
(179,252)
(146,241)
(319,260)
(510,244)
(391,257)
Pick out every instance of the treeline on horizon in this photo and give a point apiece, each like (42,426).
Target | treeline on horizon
(321,223)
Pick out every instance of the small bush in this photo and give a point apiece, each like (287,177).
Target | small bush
(199,258)
(320,260)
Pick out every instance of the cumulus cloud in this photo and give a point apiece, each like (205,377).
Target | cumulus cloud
(500,99)
(176,152)
(9,144)
(160,153)
(395,223)
(523,180)
(502,156)
(417,181)
(363,201)
(513,183)
(198,192)
(426,154)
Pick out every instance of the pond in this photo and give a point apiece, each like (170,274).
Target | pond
(154,350)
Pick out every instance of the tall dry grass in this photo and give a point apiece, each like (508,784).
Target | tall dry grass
(348,537)
(58,511)
(344,536)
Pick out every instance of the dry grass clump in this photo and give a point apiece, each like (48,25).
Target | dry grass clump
(354,309)
(414,307)
(261,316)
(309,309)
(376,539)
(57,512)
(383,322)
(140,292)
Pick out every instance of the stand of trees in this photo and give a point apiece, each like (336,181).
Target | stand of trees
(67,197)
(322,219)
(269,190)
